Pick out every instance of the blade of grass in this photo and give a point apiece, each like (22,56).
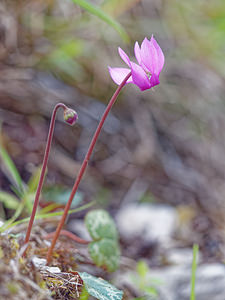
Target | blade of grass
(17,191)
(49,208)
(33,181)
(49,215)
(8,200)
(24,202)
(11,168)
(14,217)
(28,201)
(193,271)
(29,192)
(98,12)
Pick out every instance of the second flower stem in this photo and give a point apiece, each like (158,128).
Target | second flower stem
(84,165)
(43,170)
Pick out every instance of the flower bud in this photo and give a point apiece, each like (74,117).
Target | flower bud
(70,116)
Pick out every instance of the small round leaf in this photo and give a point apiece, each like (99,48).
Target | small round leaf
(100,225)
(105,253)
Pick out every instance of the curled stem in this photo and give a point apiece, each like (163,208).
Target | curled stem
(44,165)
(84,165)
(70,235)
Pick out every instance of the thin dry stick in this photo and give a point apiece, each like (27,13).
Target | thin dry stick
(84,165)
(44,165)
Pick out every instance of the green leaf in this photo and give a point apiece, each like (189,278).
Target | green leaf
(13,173)
(142,268)
(105,253)
(98,12)
(84,294)
(150,290)
(59,194)
(104,250)
(9,200)
(99,288)
(100,225)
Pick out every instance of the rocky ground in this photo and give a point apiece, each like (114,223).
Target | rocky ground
(155,262)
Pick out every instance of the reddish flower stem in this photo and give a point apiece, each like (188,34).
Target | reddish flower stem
(44,165)
(70,235)
(83,166)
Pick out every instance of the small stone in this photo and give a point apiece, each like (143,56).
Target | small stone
(181,256)
(53,269)
(39,262)
(148,221)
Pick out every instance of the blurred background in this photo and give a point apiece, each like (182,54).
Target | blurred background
(164,146)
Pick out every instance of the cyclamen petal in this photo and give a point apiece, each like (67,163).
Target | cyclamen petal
(160,54)
(149,55)
(118,75)
(154,80)
(137,52)
(139,77)
(124,56)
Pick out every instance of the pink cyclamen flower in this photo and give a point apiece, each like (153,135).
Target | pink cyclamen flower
(145,74)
